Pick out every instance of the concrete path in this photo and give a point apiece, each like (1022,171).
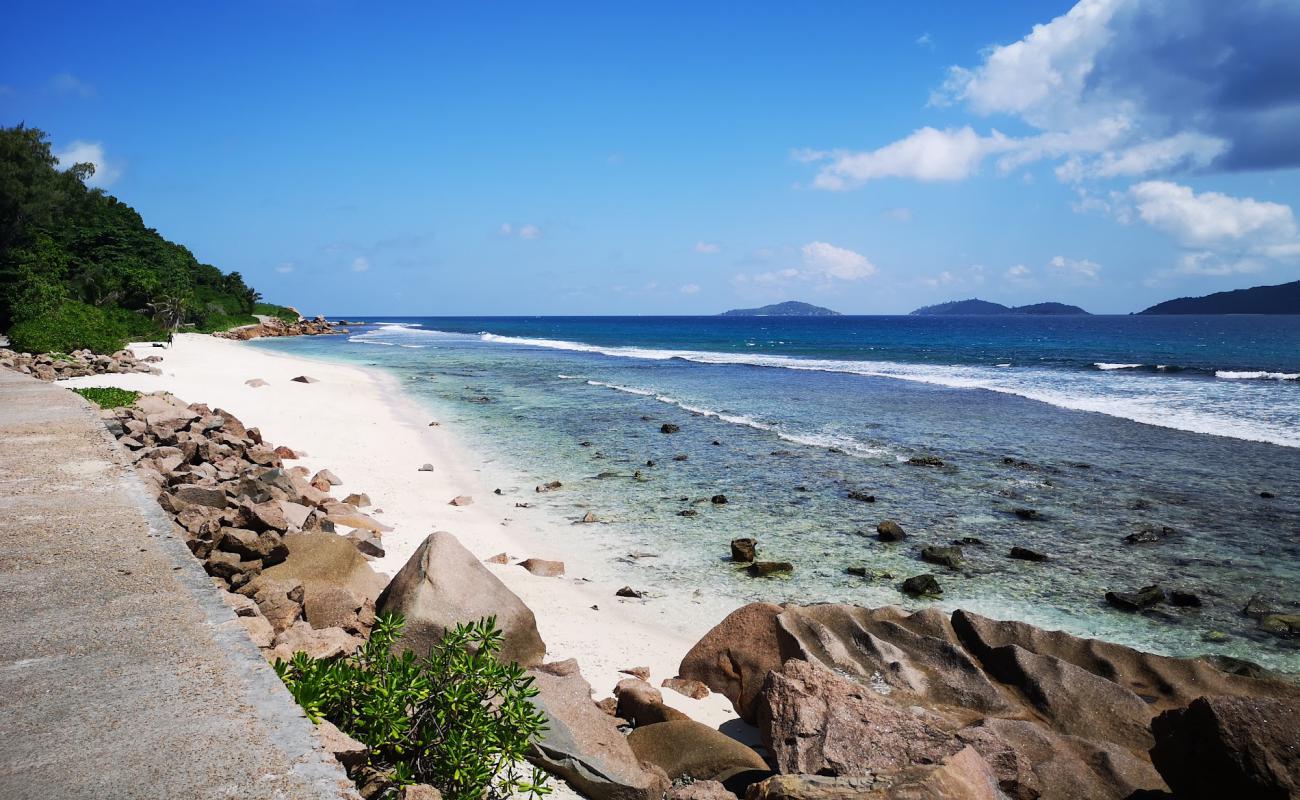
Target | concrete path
(122,674)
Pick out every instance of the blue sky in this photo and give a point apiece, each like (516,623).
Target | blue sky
(681,158)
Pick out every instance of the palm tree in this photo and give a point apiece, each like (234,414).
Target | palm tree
(168,312)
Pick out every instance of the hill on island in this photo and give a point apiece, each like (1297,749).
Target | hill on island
(790,308)
(1283,298)
(79,268)
(975,307)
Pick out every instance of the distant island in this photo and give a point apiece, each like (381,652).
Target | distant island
(790,308)
(975,307)
(1283,298)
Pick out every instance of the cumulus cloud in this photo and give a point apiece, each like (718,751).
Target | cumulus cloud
(80,152)
(285,268)
(1117,88)
(820,262)
(1076,270)
(360,264)
(690,288)
(1019,275)
(1220,234)
(708,248)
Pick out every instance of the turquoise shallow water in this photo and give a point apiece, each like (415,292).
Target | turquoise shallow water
(785,417)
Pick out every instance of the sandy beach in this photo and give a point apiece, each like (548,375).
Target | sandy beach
(358,423)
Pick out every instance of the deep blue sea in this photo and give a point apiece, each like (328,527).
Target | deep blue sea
(1103,425)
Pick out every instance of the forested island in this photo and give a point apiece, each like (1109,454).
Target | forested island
(790,308)
(80,269)
(1283,298)
(974,307)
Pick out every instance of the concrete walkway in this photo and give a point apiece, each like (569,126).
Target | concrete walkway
(122,674)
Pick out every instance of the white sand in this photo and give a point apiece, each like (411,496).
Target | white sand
(360,425)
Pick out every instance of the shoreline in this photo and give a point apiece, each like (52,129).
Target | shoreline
(361,424)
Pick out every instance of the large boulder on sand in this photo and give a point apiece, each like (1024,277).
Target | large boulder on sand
(686,747)
(1221,747)
(736,655)
(583,745)
(444,584)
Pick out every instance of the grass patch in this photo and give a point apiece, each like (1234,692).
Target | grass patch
(109,397)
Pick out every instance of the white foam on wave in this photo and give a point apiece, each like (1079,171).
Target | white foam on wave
(1264,376)
(1181,405)
(819,440)
(1102,365)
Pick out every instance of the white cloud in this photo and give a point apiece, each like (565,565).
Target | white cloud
(708,248)
(67,83)
(927,154)
(1114,88)
(506,229)
(1210,217)
(1078,270)
(360,264)
(1019,274)
(899,214)
(80,152)
(827,260)
(285,268)
(690,288)
(530,232)
(924,40)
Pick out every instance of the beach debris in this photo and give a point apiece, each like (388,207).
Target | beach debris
(925,461)
(461,500)
(1026,554)
(854,494)
(1027,513)
(637,672)
(304,379)
(923,585)
(744,550)
(628,591)
(669,427)
(693,689)
(256,383)
(328,477)
(548,487)
(1148,534)
(589,518)
(718,499)
(764,569)
(890,531)
(499,558)
(945,555)
(425,468)
(442,585)
(358,499)
(543,568)
(1136,600)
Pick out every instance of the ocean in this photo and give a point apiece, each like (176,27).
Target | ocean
(1188,427)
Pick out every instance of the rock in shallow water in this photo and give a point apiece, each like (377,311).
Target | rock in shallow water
(923,585)
(890,531)
(744,550)
(1136,600)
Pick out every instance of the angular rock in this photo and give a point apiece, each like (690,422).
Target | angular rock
(584,746)
(696,690)
(699,790)
(744,551)
(763,569)
(259,630)
(323,643)
(256,383)
(1025,554)
(1222,747)
(267,546)
(319,560)
(348,751)
(948,556)
(209,496)
(328,477)
(339,607)
(543,568)
(890,531)
(685,747)
(668,427)
(367,543)
(358,499)
(304,379)
(642,704)
(1136,600)
(444,584)
(461,500)
(735,656)
(923,585)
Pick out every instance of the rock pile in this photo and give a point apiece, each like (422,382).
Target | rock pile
(267,533)
(77,364)
(888,704)
(274,326)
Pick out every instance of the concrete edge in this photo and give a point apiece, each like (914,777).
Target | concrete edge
(286,725)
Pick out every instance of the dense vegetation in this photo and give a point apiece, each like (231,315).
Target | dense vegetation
(78,268)
(109,397)
(1281,299)
(458,719)
(977,307)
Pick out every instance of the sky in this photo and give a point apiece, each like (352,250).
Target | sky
(483,158)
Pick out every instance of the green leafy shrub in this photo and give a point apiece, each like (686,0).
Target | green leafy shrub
(70,326)
(108,397)
(272,310)
(459,719)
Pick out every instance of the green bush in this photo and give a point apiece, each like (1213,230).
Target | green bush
(459,719)
(272,310)
(108,397)
(71,326)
